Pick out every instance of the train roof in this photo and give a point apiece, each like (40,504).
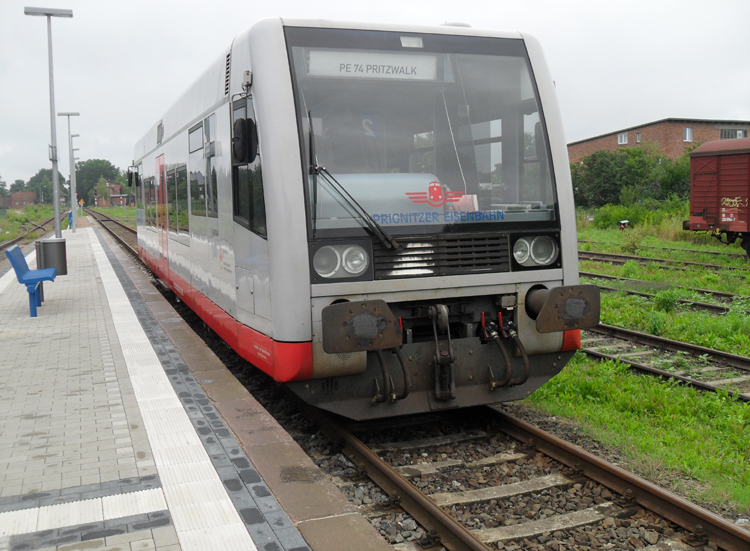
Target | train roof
(445,28)
(722,147)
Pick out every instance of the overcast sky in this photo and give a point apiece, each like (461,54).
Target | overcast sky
(122,63)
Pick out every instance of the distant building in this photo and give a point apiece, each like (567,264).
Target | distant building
(115,191)
(669,135)
(20,199)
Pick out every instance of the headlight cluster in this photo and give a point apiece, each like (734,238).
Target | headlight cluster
(337,261)
(531,251)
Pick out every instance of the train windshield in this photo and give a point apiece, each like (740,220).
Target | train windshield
(427,133)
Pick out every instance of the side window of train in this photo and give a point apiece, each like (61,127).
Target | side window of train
(139,187)
(172,200)
(209,152)
(197,171)
(183,216)
(249,206)
(149,188)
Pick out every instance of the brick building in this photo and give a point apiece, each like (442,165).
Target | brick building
(669,135)
(20,199)
(115,190)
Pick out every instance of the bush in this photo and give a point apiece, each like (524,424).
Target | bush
(665,300)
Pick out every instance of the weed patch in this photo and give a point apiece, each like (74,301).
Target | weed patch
(703,437)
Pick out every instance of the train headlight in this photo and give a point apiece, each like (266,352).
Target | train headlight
(355,260)
(521,251)
(544,250)
(536,251)
(327,261)
(334,262)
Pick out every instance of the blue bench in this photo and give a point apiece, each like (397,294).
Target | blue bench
(31,278)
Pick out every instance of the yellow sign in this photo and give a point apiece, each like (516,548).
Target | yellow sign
(80,202)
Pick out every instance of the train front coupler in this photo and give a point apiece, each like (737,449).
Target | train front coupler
(445,356)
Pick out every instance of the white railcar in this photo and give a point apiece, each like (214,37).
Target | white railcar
(380,216)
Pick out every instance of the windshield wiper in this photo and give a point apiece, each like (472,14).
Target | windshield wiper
(313,171)
(316,170)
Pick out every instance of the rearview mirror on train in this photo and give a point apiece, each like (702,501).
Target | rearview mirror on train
(244,142)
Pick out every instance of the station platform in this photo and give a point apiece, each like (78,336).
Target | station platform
(121,430)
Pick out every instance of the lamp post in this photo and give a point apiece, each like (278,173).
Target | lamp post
(71,153)
(49,13)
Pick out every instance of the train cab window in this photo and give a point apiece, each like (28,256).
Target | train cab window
(197,171)
(249,206)
(183,215)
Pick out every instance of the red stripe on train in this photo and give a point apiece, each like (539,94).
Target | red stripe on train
(284,361)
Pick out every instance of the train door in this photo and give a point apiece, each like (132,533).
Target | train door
(704,199)
(162,222)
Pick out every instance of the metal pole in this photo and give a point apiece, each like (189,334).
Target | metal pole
(53,148)
(49,13)
(71,157)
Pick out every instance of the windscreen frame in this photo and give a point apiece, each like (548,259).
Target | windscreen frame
(391,41)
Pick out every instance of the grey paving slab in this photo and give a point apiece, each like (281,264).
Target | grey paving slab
(63,420)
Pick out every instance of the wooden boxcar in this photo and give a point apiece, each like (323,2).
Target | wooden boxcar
(720,190)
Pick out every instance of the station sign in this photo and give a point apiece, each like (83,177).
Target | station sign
(372,65)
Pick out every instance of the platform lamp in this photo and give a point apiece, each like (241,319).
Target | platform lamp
(71,154)
(49,13)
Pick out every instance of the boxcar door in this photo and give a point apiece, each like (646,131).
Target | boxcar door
(704,197)
(162,222)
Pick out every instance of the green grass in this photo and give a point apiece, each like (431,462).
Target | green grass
(728,281)
(640,240)
(11,225)
(661,317)
(696,443)
(126,215)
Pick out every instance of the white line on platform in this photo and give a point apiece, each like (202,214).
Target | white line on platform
(36,519)
(202,512)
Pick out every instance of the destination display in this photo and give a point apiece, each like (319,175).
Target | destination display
(378,65)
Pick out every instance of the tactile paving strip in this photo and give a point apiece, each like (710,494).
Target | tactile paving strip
(222,457)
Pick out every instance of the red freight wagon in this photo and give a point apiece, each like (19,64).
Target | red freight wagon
(719,190)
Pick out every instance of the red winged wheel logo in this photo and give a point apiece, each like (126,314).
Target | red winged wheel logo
(435,196)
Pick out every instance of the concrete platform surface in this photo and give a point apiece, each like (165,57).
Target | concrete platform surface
(121,430)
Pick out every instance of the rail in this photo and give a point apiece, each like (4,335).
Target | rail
(5,244)
(688,515)
(612,257)
(454,536)
(102,218)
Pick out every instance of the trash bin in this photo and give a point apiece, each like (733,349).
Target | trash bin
(50,253)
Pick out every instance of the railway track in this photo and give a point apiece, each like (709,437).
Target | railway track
(6,244)
(596,256)
(124,234)
(505,484)
(719,295)
(693,251)
(700,367)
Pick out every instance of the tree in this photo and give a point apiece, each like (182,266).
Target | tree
(628,176)
(89,172)
(101,191)
(42,188)
(18,185)
(3,190)
(41,184)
